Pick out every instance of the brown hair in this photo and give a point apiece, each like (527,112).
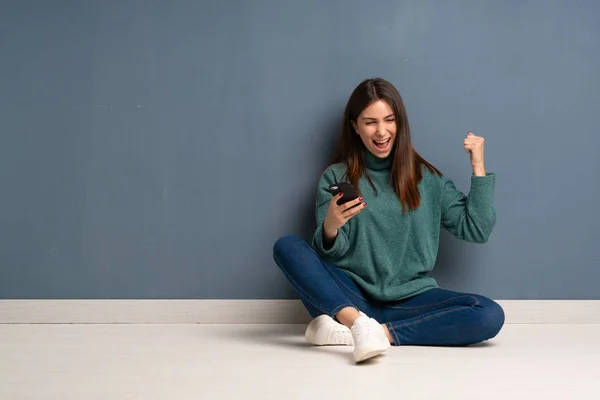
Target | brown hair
(407,163)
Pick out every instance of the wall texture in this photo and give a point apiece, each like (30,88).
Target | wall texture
(157,149)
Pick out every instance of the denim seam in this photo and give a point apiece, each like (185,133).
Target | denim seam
(394,334)
(299,289)
(339,308)
(403,324)
(312,300)
(434,304)
(337,278)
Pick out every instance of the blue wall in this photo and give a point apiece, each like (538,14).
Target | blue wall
(157,149)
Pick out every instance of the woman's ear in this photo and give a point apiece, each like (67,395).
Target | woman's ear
(355,126)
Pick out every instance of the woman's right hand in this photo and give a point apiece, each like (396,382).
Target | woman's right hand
(337,216)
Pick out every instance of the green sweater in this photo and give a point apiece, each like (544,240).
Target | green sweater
(389,254)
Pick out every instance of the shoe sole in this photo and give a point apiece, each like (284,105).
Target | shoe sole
(368,355)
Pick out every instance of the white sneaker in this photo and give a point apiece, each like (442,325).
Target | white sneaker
(325,331)
(369,338)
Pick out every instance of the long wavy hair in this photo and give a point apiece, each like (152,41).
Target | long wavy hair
(406,171)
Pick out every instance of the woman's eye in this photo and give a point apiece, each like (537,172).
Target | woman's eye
(370,123)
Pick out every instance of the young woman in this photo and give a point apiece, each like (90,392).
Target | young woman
(364,278)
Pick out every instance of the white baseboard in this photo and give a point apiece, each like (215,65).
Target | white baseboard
(248,312)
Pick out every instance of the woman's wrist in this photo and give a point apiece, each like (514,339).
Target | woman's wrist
(479,170)
(329,236)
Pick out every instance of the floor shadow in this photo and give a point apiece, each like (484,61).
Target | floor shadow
(482,344)
(290,336)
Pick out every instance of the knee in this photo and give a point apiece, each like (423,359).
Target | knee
(492,319)
(287,245)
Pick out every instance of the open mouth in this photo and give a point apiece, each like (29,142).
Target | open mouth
(382,144)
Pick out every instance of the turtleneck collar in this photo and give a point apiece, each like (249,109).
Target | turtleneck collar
(375,163)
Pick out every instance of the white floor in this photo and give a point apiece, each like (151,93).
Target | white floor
(273,362)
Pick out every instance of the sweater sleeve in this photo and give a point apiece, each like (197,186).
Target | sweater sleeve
(341,244)
(470,218)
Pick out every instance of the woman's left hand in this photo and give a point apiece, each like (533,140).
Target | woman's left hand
(474,146)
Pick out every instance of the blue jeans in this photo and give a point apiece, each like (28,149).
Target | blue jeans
(436,317)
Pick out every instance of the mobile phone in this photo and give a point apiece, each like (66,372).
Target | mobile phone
(346,188)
